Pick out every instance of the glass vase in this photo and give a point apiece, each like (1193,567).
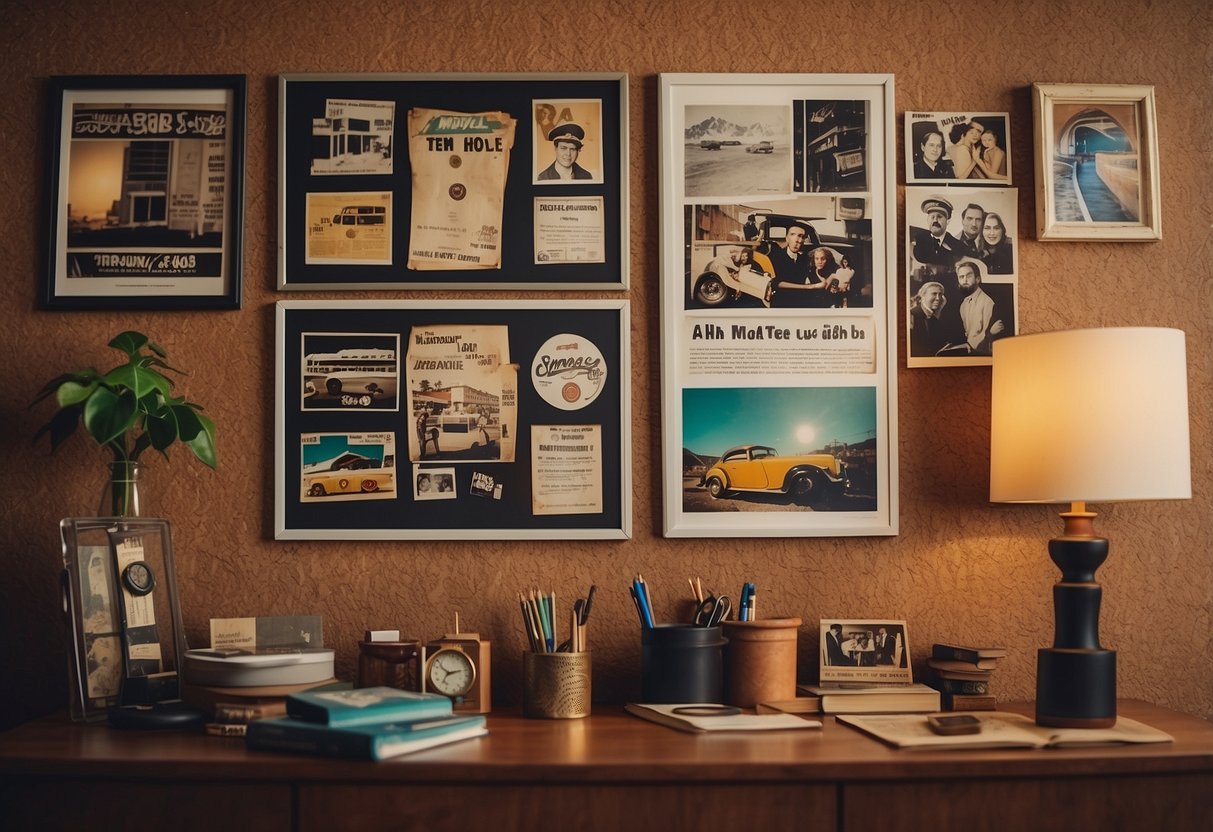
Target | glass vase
(122,495)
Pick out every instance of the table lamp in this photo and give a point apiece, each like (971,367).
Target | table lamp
(1087,415)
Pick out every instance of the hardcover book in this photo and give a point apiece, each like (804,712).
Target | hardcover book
(675,716)
(874,699)
(967,702)
(366,706)
(361,742)
(965,686)
(972,674)
(1000,729)
(963,653)
(962,664)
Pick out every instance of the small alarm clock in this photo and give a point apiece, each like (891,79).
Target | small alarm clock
(457,666)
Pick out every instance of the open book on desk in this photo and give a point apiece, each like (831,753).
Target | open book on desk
(665,715)
(999,729)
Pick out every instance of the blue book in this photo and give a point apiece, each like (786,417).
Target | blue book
(361,742)
(365,706)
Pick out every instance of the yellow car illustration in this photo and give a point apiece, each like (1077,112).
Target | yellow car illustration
(809,479)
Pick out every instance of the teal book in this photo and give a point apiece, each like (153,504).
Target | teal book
(365,706)
(361,742)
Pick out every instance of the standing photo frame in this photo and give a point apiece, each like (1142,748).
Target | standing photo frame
(1096,162)
(453,181)
(447,420)
(144,192)
(779,354)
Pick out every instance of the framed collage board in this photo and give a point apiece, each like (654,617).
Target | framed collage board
(779,354)
(453,181)
(454,421)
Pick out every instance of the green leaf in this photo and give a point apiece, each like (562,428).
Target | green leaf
(156,348)
(52,386)
(138,380)
(161,429)
(108,416)
(203,445)
(129,342)
(73,392)
(62,425)
(156,362)
(188,422)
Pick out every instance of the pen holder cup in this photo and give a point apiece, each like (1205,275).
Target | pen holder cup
(556,685)
(681,663)
(760,663)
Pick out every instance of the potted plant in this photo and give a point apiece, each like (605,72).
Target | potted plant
(127,410)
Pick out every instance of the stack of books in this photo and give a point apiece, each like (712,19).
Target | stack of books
(364,724)
(229,710)
(847,698)
(962,674)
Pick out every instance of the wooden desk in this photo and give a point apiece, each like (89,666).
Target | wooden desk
(611,771)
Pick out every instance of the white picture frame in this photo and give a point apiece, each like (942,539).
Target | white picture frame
(1096,162)
(744,158)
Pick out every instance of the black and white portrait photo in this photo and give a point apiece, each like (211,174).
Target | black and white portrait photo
(568,141)
(972,148)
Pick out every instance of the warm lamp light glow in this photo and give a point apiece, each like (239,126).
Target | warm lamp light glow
(1090,415)
(1086,415)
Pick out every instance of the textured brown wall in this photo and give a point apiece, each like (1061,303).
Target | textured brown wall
(961,568)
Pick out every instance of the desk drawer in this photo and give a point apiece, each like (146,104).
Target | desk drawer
(584,806)
(33,803)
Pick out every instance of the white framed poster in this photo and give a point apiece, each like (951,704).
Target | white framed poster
(779,353)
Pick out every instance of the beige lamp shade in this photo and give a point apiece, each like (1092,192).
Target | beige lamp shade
(1090,415)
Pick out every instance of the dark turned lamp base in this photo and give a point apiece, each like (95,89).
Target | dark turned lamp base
(1076,677)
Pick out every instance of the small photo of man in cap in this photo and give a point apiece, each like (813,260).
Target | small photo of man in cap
(565,145)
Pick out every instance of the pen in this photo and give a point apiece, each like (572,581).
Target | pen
(646,605)
(589,602)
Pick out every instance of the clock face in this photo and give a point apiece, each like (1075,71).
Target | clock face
(451,672)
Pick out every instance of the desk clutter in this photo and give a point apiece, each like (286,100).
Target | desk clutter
(962,674)
(366,724)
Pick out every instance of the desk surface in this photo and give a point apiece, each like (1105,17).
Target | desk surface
(608,747)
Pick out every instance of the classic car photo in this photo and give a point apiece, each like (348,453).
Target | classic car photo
(349,473)
(717,278)
(809,479)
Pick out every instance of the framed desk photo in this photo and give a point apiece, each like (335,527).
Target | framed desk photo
(144,192)
(779,354)
(1096,163)
(453,181)
(452,421)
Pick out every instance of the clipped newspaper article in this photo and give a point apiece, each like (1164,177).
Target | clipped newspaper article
(463,393)
(459,163)
(349,228)
(566,469)
(784,346)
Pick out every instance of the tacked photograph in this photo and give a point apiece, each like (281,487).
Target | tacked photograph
(831,146)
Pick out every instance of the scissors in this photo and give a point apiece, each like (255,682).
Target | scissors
(712,610)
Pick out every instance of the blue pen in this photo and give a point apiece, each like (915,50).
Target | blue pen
(642,595)
(744,612)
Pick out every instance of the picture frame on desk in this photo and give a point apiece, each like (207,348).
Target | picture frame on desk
(1097,172)
(450,181)
(865,651)
(505,420)
(779,400)
(144,193)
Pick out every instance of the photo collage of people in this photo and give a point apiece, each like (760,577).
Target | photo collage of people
(779,317)
(961,232)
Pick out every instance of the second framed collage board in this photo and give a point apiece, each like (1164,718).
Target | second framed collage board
(779,395)
(452,420)
(453,181)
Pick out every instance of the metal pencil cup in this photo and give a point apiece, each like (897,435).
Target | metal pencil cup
(681,663)
(556,685)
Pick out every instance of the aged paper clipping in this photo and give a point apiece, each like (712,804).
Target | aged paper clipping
(459,163)
(566,469)
(463,394)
